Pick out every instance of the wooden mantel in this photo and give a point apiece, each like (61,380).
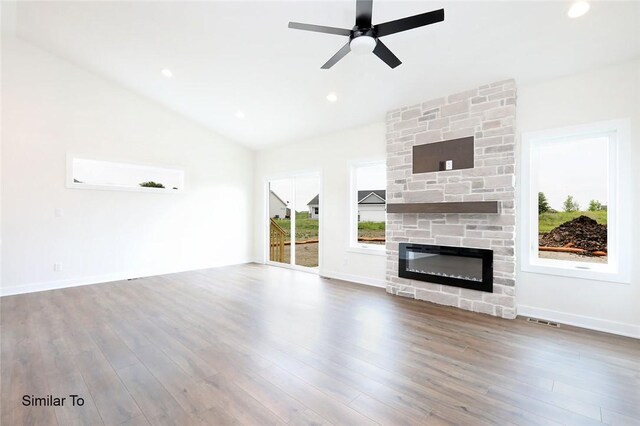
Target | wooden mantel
(454,207)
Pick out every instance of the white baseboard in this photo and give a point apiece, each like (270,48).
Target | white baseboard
(354,278)
(99,279)
(598,324)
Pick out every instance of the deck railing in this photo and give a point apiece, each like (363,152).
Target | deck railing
(276,242)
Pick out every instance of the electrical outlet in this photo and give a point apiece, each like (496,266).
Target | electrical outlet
(57,267)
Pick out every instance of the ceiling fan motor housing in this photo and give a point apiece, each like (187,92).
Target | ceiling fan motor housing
(359,32)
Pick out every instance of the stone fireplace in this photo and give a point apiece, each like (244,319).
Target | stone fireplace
(485,118)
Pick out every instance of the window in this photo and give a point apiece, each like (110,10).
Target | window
(368,206)
(575,207)
(88,173)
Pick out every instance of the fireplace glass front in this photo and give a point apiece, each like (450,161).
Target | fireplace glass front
(455,266)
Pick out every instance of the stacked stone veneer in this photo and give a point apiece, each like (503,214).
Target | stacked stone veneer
(488,114)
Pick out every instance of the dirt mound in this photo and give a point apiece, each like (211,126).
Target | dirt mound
(581,232)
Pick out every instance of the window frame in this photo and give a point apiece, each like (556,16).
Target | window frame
(617,269)
(355,246)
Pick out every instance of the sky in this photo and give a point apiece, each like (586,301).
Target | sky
(577,167)
(306,188)
(370,177)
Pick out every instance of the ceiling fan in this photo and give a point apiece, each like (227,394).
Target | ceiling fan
(365,37)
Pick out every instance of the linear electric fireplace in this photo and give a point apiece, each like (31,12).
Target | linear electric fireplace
(454,266)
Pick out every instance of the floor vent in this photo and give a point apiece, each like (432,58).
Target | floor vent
(543,322)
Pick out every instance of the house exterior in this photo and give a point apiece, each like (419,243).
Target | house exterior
(277,208)
(371,206)
(314,207)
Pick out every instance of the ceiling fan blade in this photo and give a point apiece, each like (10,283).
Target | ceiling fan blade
(409,23)
(335,58)
(364,10)
(383,52)
(319,29)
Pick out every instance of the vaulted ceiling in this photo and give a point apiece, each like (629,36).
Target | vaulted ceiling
(240,56)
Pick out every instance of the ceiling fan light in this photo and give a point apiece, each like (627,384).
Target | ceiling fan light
(363,44)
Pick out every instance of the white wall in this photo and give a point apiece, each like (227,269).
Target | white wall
(50,108)
(609,93)
(330,155)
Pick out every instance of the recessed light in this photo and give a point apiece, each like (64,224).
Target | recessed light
(332,97)
(578,9)
(167,72)
(239,114)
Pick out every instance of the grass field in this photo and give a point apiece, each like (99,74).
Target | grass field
(371,229)
(307,229)
(548,221)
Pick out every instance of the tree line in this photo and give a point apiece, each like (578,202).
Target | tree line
(569,205)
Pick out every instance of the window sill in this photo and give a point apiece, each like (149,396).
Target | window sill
(368,249)
(580,270)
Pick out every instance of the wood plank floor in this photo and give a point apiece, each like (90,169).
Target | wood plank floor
(259,345)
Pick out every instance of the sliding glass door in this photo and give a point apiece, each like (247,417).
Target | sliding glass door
(279,200)
(307,241)
(293,206)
